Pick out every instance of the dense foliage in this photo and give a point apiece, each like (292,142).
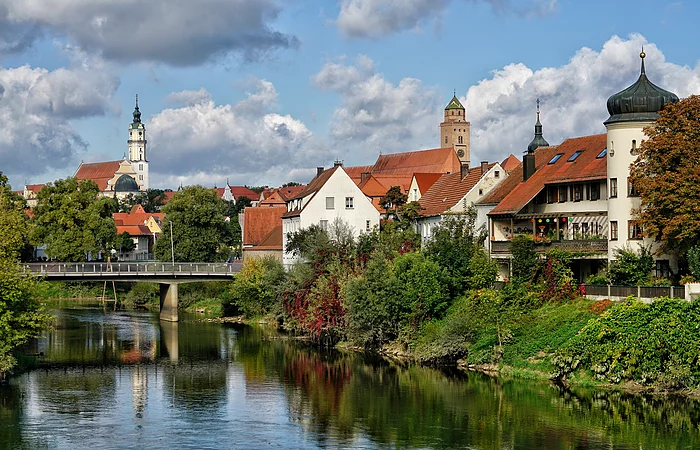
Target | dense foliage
(200,232)
(151,200)
(73,223)
(255,289)
(667,176)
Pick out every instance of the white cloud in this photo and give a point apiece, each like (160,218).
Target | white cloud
(375,115)
(205,143)
(180,33)
(502,108)
(36,106)
(378,18)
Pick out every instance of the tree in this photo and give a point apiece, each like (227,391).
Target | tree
(13,224)
(151,200)
(630,268)
(667,176)
(124,243)
(393,199)
(291,184)
(72,221)
(199,230)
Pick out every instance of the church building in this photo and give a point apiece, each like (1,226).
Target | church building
(128,175)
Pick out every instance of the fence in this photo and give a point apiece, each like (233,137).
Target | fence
(646,293)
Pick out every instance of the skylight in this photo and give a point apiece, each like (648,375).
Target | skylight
(602,154)
(575,155)
(555,158)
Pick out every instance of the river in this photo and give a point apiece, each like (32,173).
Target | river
(126,380)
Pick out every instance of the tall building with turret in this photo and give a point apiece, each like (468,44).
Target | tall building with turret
(137,148)
(455,130)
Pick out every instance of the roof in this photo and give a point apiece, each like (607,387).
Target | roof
(135,217)
(125,183)
(510,163)
(33,188)
(426,180)
(278,196)
(272,241)
(449,190)
(167,195)
(242,191)
(355,172)
(454,103)
(258,222)
(586,167)
(100,172)
(134,230)
(438,160)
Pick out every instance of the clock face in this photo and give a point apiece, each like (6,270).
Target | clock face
(460,153)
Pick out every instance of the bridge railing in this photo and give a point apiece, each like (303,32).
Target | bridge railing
(153,267)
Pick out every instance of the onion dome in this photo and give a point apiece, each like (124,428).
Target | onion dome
(538,140)
(640,102)
(125,183)
(137,113)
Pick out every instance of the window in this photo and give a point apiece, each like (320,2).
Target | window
(613,230)
(481,192)
(459,139)
(445,139)
(635,230)
(541,197)
(140,166)
(574,156)
(663,268)
(562,194)
(578,193)
(631,191)
(594,191)
(349,202)
(555,158)
(633,150)
(584,230)
(330,202)
(613,187)
(602,154)
(552,194)
(140,177)
(497,174)
(368,224)
(323,224)
(415,194)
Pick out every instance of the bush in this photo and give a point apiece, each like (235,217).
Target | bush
(141,294)
(255,289)
(630,268)
(646,343)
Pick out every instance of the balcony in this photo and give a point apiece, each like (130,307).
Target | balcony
(592,246)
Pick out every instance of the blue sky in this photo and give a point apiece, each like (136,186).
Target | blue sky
(263,91)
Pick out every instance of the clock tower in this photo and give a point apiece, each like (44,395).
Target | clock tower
(454,130)
(137,148)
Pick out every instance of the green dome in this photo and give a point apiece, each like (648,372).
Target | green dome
(538,140)
(125,183)
(640,102)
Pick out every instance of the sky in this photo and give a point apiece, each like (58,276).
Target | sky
(261,92)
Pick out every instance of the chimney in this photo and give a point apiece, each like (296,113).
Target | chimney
(364,176)
(319,171)
(338,163)
(464,170)
(528,165)
(484,167)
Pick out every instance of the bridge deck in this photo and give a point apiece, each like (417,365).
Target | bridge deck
(134,271)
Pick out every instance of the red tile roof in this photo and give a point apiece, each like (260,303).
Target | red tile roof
(279,196)
(35,188)
(448,191)
(273,240)
(587,167)
(242,191)
(426,180)
(438,160)
(356,172)
(258,222)
(510,163)
(134,230)
(100,172)
(135,218)
(372,187)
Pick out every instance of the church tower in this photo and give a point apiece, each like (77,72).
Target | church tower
(454,130)
(631,110)
(137,148)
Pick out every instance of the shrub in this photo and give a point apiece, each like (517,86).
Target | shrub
(255,289)
(630,268)
(141,294)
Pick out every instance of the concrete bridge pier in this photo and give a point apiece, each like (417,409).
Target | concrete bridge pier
(168,301)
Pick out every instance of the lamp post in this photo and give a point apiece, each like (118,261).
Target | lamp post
(172,245)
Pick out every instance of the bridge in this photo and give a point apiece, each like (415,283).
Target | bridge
(167,275)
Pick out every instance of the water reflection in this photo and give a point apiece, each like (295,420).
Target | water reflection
(127,380)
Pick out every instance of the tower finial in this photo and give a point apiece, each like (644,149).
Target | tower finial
(643,55)
(454,92)
(137,100)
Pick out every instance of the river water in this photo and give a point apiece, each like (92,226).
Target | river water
(126,380)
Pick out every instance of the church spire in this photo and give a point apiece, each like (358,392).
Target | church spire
(538,140)
(137,113)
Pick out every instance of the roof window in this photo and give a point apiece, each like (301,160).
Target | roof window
(574,156)
(555,158)
(602,154)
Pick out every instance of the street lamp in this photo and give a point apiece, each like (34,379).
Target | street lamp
(172,246)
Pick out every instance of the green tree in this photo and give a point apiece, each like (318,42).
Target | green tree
(255,288)
(525,259)
(151,200)
(73,221)
(13,224)
(667,176)
(199,230)
(452,245)
(393,200)
(124,243)
(630,268)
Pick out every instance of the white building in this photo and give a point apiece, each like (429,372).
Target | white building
(331,195)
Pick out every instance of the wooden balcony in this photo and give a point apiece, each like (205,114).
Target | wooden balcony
(591,246)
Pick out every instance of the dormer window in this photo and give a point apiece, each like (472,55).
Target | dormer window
(574,156)
(555,158)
